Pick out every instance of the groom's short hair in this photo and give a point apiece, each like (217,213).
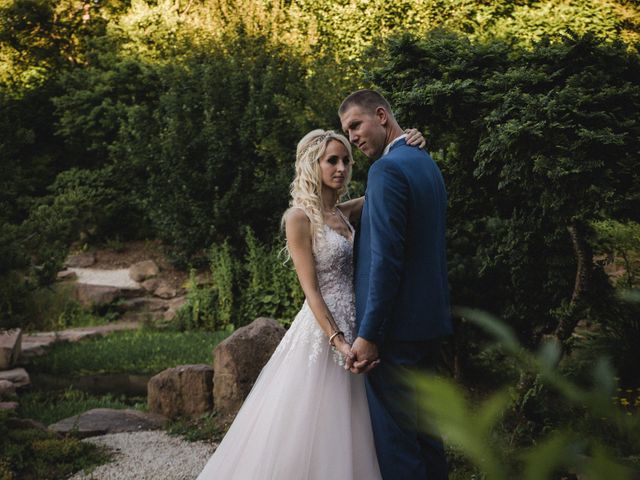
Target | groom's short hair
(368,100)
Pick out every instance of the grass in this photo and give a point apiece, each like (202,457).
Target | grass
(205,428)
(32,454)
(52,406)
(138,351)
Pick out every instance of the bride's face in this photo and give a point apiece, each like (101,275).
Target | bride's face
(335,165)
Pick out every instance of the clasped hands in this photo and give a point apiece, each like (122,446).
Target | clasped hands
(361,357)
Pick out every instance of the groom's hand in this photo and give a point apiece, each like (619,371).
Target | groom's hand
(365,355)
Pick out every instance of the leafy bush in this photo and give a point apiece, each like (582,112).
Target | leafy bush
(244,287)
(200,311)
(473,431)
(529,159)
(32,454)
(617,239)
(272,288)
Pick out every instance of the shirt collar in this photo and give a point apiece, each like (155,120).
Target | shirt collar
(395,140)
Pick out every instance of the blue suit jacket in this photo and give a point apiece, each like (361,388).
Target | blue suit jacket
(401,282)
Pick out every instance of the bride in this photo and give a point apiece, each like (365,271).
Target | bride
(307,416)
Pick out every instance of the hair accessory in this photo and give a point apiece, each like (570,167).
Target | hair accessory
(316,142)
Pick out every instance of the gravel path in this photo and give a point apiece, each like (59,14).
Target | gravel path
(113,278)
(150,455)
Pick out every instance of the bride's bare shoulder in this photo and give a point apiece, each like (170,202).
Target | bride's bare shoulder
(296,218)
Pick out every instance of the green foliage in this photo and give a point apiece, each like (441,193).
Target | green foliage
(260,283)
(472,430)
(201,308)
(622,240)
(272,287)
(205,428)
(531,142)
(224,273)
(139,351)
(32,454)
(49,407)
(616,337)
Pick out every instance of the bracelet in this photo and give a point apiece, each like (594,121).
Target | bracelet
(334,335)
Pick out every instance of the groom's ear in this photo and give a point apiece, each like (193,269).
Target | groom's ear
(382,115)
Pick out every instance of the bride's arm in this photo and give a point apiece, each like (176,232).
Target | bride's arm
(298,231)
(352,209)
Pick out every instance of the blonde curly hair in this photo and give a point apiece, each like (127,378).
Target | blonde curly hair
(306,188)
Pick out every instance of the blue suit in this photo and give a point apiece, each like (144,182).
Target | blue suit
(402,302)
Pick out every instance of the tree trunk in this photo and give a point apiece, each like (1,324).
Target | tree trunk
(584,274)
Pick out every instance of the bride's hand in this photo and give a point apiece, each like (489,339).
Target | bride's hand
(415,138)
(344,348)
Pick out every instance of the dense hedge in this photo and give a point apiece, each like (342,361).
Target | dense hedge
(179,121)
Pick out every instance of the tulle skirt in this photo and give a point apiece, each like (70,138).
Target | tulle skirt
(305,418)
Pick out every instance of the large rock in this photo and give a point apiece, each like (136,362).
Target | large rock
(142,270)
(238,360)
(10,406)
(81,260)
(67,275)
(165,290)
(175,304)
(7,388)
(18,377)
(150,284)
(101,421)
(96,295)
(181,391)
(10,346)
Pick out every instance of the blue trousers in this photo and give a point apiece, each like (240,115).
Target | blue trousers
(404,451)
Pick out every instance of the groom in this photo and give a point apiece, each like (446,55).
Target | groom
(402,297)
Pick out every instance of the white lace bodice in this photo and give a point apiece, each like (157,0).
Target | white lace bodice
(333,255)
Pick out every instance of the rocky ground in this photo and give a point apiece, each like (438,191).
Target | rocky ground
(143,286)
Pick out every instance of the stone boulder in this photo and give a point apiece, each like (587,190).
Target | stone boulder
(238,360)
(181,391)
(96,295)
(67,275)
(165,291)
(18,377)
(10,347)
(150,284)
(101,421)
(143,270)
(80,260)
(175,304)
(7,389)
(10,406)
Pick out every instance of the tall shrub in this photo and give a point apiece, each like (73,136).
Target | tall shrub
(534,144)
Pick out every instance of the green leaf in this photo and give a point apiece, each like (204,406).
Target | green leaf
(604,378)
(556,451)
(603,465)
(549,354)
(632,296)
(491,325)
(491,410)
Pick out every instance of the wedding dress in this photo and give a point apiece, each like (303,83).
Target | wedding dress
(306,418)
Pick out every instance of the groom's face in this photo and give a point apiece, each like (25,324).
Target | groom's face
(365,130)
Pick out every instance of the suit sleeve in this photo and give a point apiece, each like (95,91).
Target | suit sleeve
(387,196)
